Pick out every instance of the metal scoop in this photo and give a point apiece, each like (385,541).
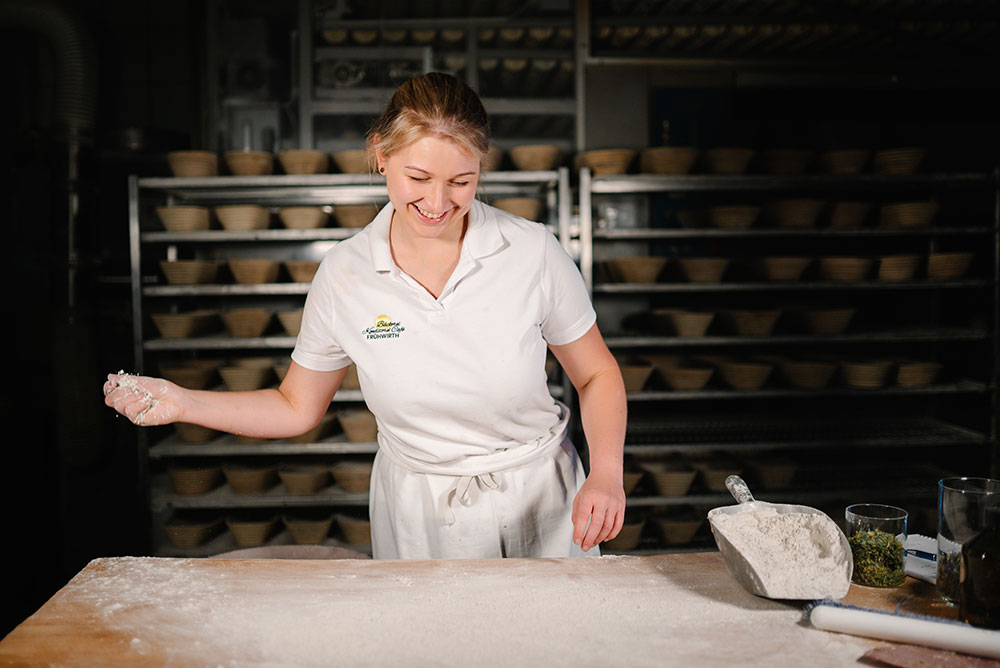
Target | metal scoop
(740,568)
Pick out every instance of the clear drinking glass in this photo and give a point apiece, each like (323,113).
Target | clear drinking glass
(962,505)
(876,534)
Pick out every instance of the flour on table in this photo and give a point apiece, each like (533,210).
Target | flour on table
(795,555)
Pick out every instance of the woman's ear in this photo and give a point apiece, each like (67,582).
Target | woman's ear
(379,158)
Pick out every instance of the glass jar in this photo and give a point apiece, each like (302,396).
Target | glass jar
(962,505)
(979,577)
(876,534)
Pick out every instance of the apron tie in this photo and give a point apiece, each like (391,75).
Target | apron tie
(466,491)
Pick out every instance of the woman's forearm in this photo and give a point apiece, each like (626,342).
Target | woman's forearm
(261,413)
(603,412)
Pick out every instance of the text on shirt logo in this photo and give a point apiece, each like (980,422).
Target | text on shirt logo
(385,328)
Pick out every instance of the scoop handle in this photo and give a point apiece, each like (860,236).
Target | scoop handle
(739,489)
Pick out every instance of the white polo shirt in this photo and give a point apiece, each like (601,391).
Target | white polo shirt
(457,376)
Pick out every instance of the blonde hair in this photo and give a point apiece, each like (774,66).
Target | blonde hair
(431,105)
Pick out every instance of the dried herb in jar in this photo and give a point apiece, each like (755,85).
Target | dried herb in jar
(948,567)
(878,559)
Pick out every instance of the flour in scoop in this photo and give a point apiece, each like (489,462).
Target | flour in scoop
(796,555)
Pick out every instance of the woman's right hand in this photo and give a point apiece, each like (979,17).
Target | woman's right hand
(143,400)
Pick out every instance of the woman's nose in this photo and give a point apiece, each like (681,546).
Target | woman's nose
(435,198)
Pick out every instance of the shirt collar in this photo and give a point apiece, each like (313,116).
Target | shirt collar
(482,238)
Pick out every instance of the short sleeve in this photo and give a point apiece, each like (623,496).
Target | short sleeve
(316,348)
(568,312)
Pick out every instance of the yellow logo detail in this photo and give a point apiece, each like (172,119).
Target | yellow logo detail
(383,322)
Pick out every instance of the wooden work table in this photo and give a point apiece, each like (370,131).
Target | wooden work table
(681,609)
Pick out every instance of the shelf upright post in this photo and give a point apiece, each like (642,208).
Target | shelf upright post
(565,203)
(582,35)
(305,76)
(586,231)
(995,414)
(135,270)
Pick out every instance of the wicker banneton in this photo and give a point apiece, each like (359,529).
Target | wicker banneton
(907,214)
(630,479)
(781,268)
(683,322)
(678,531)
(948,266)
(670,479)
(728,160)
(189,272)
(635,375)
(688,376)
(669,160)
(352,475)
(848,214)
(291,321)
(868,374)
(245,378)
(354,215)
(845,268)
(916,373)
(636,269)
(898,160)
(190,533)
(186,325)
(255,270)
(733,216)
(529,208)
(703,269)
(250,479)
(320,431)
(255,361)
(303,161)
(194,433)
(308,530)
(752,322)
(249,163)
(184,218)
(793,212)
(714,473)
(745,376)
(351,161)
(356,530)
(302,217)
(845,161)
(693,218)
(493,158)
(785,160)
(193,163)
(250,531)
(303,479)
(280,369)
(897,267)
(247,322)
(773,473)
(808,374)
(607,161)
(536,157)
(627,538)
(189,376)
(301,271)
(359,425)
(194,479)
(351,380)
(828,321)
(243,217)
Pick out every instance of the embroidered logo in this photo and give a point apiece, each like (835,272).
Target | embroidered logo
(384,328)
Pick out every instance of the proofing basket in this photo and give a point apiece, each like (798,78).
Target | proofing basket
(351,161)
(301,271)
(243,217)
(693,219)
(254,271)
(845,269)
(670,479)
(194,433)
(303,480)
(678,531)
(728,160)
(627,538)
(785,160)
(828,321)
(752,322)
(247,322)
(536,157)
(687,377)
(635,376)
(302,217)
(302,161)
(794,213)
(251,532)
(636,269)
(357,531)
(607,161)
(808,374)
(291,321)
(907,214)
(280,369)
(351,380)
(242,378)
(898,160)
(669,160)
(916,373)
(193,163)
(352,475)
(359,425)
(848,214)
(493,158)
(781,268)
(746,376)
(734,217)
(187,534)
(324,427)
(897,267)
(773,474)
(249,163)
(184,218)
(250,480)
(630,479)
(308,531)
(703,269)
(194,479)
(683,323)
(185,325)
(529,208)
(354,215)
(845,161)
(865,375)
(714,474)
(189,272)
(189,376)
(948,266)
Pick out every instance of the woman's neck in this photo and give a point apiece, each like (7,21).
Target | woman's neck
(429,261)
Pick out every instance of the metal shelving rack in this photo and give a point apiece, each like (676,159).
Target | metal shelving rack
(148,294)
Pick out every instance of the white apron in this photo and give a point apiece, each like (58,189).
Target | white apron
(511,503)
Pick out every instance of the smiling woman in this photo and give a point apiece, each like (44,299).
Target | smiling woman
(448,307)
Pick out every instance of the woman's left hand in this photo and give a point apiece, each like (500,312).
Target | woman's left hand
(601,503)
